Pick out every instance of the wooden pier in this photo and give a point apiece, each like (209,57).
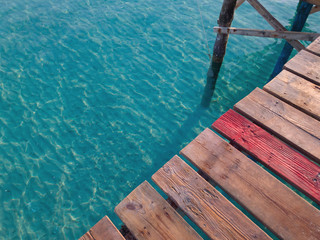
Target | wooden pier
(277,127)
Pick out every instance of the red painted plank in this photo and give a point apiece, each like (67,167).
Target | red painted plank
(270,151)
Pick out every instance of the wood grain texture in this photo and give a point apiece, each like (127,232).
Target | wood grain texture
(315,2)
(273,22)
(296,91)
(287,123)
(149,216)
(271,152)
(314,47)
(203,204)
(279,208)
(288,112)
(314,10)
(306,65)
(103,230)
(86,236)
(291,35)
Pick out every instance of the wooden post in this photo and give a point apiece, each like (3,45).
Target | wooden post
(300,19)
(219,50)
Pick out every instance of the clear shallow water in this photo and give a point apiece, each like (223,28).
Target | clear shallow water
(97,95)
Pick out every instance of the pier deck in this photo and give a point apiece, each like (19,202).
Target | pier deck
(273,142)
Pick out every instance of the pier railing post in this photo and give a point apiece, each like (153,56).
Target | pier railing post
(219,50)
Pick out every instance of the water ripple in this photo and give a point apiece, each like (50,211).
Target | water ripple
(96,95)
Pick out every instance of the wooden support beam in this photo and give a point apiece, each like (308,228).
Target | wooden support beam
(300,19)
(315,9)
(239,3)
(219,50)
(288,35)
(273,22)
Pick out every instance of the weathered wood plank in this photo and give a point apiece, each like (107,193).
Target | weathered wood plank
(273,22)
(275,205)
(296,91)
(267,33)
(281,120)
(271,152)
(288,112)
(315,9)
(314,47)
(149,216)
(203,204)
(103,230)
(315,2)
(306,65)
(86,236)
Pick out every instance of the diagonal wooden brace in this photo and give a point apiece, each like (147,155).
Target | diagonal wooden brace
(274,22)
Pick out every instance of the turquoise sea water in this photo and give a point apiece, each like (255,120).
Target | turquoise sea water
(96,95)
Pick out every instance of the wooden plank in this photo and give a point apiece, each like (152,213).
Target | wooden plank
(315,2)
(315,9)
(267,33)
(274,22)
(271,152)
(287,112)
(314,47)
(86,236)
(103,230)
(281,120)
(149,216)
(203,204)
(296,91)
(306,65)
(270,201)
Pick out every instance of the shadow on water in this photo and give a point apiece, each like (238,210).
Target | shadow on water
(245,74)
(253,71)
(238,77)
